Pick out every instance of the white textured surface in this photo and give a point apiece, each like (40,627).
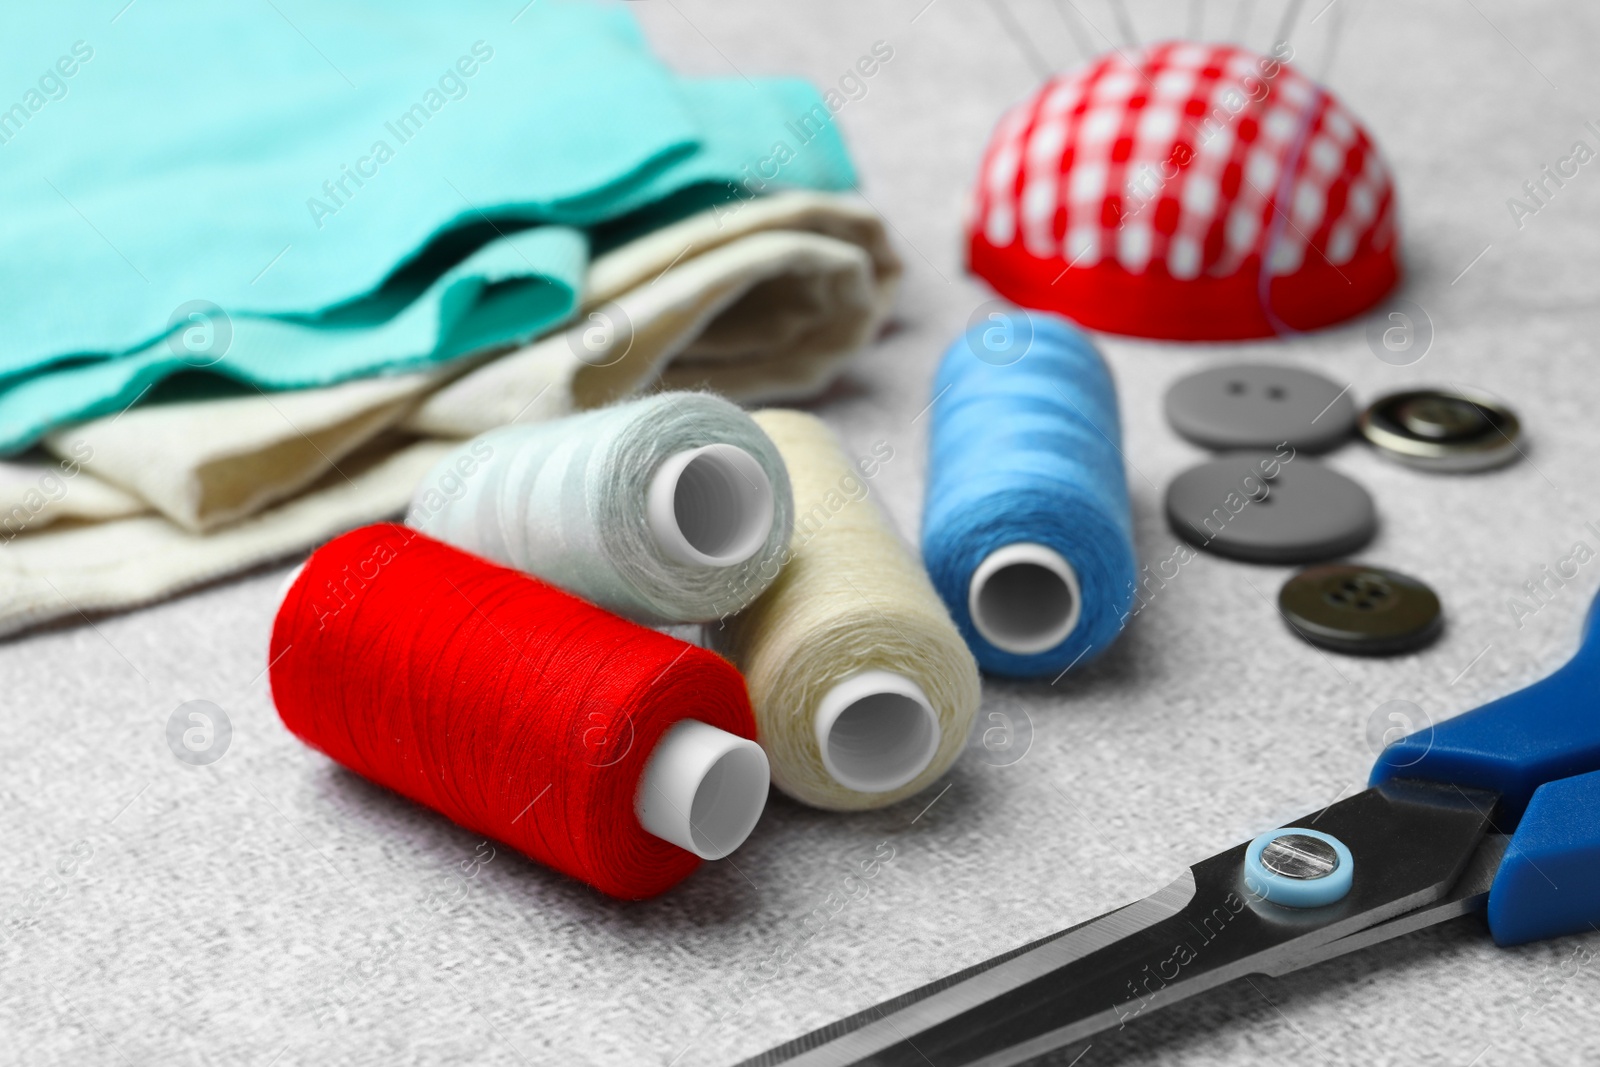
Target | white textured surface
(219,903)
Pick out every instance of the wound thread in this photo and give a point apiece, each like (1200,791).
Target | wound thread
(664,510)
(1027,531)
(852,637)
(506,705)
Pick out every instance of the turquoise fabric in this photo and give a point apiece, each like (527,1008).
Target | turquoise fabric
(295,193)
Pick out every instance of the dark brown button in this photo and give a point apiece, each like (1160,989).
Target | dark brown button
(1361,610)
(1442,430)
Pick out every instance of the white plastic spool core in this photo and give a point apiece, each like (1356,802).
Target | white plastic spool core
(877,731)
(1024,598)
(703,789)
(288,583)
(710,505)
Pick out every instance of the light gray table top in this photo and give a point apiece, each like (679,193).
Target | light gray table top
(218,906)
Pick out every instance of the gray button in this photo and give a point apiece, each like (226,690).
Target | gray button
(1261,405)
(1441,430)
(1261,507)
(1364,610)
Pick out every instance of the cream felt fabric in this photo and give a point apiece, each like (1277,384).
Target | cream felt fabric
(206,463)
(844,218)
(38,491)
(86,569)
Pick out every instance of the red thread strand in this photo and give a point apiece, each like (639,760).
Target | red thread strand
(511,707)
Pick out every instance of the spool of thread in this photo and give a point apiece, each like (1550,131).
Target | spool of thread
(606,750)
(863,690)
(1027,531)
(664,510)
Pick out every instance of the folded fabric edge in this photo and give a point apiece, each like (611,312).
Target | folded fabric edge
(631,343)
(171,456)
(131,562)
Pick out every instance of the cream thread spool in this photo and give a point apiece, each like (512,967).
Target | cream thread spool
(667,509)
(864,691)
(876,731)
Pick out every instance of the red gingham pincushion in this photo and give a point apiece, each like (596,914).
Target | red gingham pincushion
(1142,195)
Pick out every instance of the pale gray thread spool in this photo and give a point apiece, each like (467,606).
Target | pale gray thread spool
(666,509)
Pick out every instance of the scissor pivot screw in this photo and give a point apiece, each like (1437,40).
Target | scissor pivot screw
(1301,857)
(1298,868)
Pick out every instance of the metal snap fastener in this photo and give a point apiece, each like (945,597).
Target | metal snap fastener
(1260,405)
(1441,430)
(1441,418)
(1361,610)
(1261,508)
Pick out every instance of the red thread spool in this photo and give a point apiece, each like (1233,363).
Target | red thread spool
(514,709)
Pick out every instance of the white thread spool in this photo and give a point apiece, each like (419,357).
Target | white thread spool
(1024,598)
(703,789)
(876,731)
(288,584)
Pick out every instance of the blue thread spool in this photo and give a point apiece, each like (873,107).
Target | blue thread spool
(1026,530)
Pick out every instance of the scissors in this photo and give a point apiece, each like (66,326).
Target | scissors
(1496,810)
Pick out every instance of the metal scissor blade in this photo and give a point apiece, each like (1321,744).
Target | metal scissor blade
(1411,842)
(850,1039)
(1468,895)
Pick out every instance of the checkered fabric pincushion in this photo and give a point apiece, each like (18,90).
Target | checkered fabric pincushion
(1185,191)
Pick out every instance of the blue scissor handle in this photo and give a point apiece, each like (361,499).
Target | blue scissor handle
(1549,882)
(1539,748)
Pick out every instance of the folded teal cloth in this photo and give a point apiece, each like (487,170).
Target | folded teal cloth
(295,193)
